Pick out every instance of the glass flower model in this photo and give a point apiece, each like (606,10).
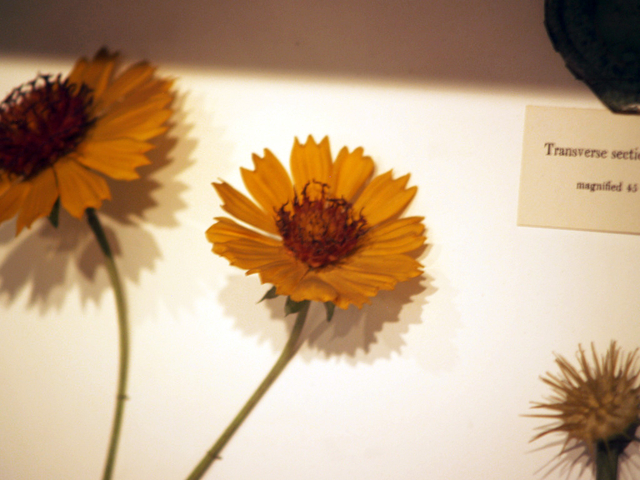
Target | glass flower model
(58,137)
(327,234)
(596,405)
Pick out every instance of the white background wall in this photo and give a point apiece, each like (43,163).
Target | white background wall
(429,381)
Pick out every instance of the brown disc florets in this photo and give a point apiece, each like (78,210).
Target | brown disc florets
(40,122)
(322,230)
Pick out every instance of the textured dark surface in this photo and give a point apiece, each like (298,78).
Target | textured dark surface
(499,43)
(600,43)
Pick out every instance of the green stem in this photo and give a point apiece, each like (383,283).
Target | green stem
(606,462)
(123,328)
(287,354)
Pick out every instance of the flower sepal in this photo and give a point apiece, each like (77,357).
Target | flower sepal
(271,293)
(54,216)
(292,306)
(330,307)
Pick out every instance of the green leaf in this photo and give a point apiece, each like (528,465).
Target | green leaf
(54,216)
(330,307)
(269,295)
(293,307)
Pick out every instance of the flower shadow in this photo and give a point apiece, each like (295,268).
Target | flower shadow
(354,335)
(49,260)
(575,457)
(575,461)
(376,330)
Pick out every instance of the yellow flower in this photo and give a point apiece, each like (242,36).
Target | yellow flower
(329,235)
(58,135)
(597,403)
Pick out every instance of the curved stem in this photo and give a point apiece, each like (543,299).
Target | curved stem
(123,329)
(287,354)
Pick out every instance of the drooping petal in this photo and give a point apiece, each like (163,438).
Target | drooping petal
(384,198)
(310,163)
(79,188)
(39,200)
(350,172)
(244,209)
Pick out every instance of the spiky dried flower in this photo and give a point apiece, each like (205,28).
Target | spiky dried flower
(595,403)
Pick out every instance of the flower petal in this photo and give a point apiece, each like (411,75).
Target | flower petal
(140,123)
(6,181)
(96,73)
(350,290)
(11,200)
(398,228)
(227,230)
(383,269)
(311,287)
(384,198)
(39,200)
(154,91)
(378,263)
(268,183)
(79,188)
(284,272)
(244,209)
(310,162)
(75,77)
(126,82)
(350,172)
(124,113)
(396,236)
(247,253)
(117,158)
(244,248)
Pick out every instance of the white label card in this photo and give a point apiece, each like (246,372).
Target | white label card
(580,170)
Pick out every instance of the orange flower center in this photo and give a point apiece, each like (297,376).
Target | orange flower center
(40,122)
(320,231)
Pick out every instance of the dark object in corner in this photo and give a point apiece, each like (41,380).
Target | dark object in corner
(600,43)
